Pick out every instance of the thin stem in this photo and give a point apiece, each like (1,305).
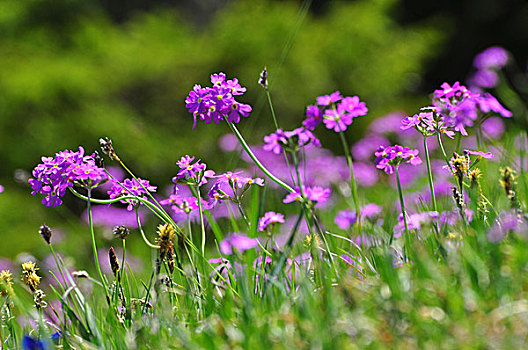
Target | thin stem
(430,175)
(196,193)
(94,247)
(256,161)
(444,153)
(402,205)
(143,233)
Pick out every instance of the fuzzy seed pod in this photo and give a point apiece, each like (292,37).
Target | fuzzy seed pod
(106,146)
(165,240)
(263,79)
(114,263)
(6,283)
(45,232)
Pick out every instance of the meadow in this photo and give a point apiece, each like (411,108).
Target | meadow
(414,236)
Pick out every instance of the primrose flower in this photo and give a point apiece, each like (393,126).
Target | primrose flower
(181,204)
(414,221)
(192,173)
(130,187)
(316,194)
(494,57)
(290,141)
(508,221)
(458,107)
(389,157)
(216,103)
(268,219)
(237,243)
(427,123)
(336,111)
(230,186)
(68,168)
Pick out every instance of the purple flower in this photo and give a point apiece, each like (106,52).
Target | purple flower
(290,141)
(314,194)
(345,218)
(493,128)
(193,173)
(55,174)
(494,57)
(488,103)
(130,187)
(484,78)
(327,100)
(414,221)
(181,204)
(365,147)
(238,243)
(337,119)
(387,124)
(227,185)
(508,221)
(389,157)
(487,155)
(216,103)
(314,117)
(268,219)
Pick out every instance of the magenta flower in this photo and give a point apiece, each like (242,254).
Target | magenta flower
(487,155)
(314,194)
(327,100)
(55,174)
(130,187)
(335,111)
(393,156)
(216,103)
(237,243)
(494,57)
(507,222)
(269,219)
(181,204)
(230,186)
(290,141)
(314,117)
(192,173)
(345,218)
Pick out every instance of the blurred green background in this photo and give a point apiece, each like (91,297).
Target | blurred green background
(73,71)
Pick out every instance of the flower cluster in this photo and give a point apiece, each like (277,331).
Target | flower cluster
(180,204)
(389,157)
(414,221)
(428,123)
(55,174)
(459,107)
(130,187)
(192,173)
(213,104)
(346,218)
(268,219)
(290,141)
(230,186)
(336,111)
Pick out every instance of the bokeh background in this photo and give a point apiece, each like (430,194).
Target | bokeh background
(72,71)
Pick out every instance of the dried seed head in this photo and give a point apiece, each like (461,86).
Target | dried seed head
(114,263)
(99,161)
(29,275)
(121,231)
(45,232)
(459,199)
(166,235)
(6,283)
(106,146)
(170,260)
(38,298)
(263,79)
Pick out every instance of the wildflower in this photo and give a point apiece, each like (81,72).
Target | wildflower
(192,173)
(130,187)
(6,283)
(487,155)
(29,275)
(345,218)
(458,106)
(494,57)
(336,111)
(231,186)
(216,103)
(290,141)
(122,231)
(165,240)
(114,263)
(507,222)
(427,123)
(238,243)
(414,221)
(181,204)
(68,168)
(45,232)
(30,343)
(269,219)
(389,157)
(314,195)
(484,78)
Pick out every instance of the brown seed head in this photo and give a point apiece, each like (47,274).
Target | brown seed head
(165,240)
(121,231)
(114,263)
(45,232)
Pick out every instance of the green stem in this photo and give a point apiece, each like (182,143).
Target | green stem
(353,183)
(94,247)
(402,204)
(196,193)
(145,239)
(430,175)
(256,161)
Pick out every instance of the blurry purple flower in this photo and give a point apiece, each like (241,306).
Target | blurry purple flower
(314,194)
(487,103)
(494,57)
(238,243)
(508,221)
(484,78)
(365,147)
(228,143)
(414,221)
(493,128)
(181,204)
(268,219)
(290,140)
(389,157)
(345,218)
(487,155)
(103,215)
(327,100)
(387,124)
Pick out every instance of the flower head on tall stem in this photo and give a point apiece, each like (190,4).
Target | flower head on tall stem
(387,158)
(131,187)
